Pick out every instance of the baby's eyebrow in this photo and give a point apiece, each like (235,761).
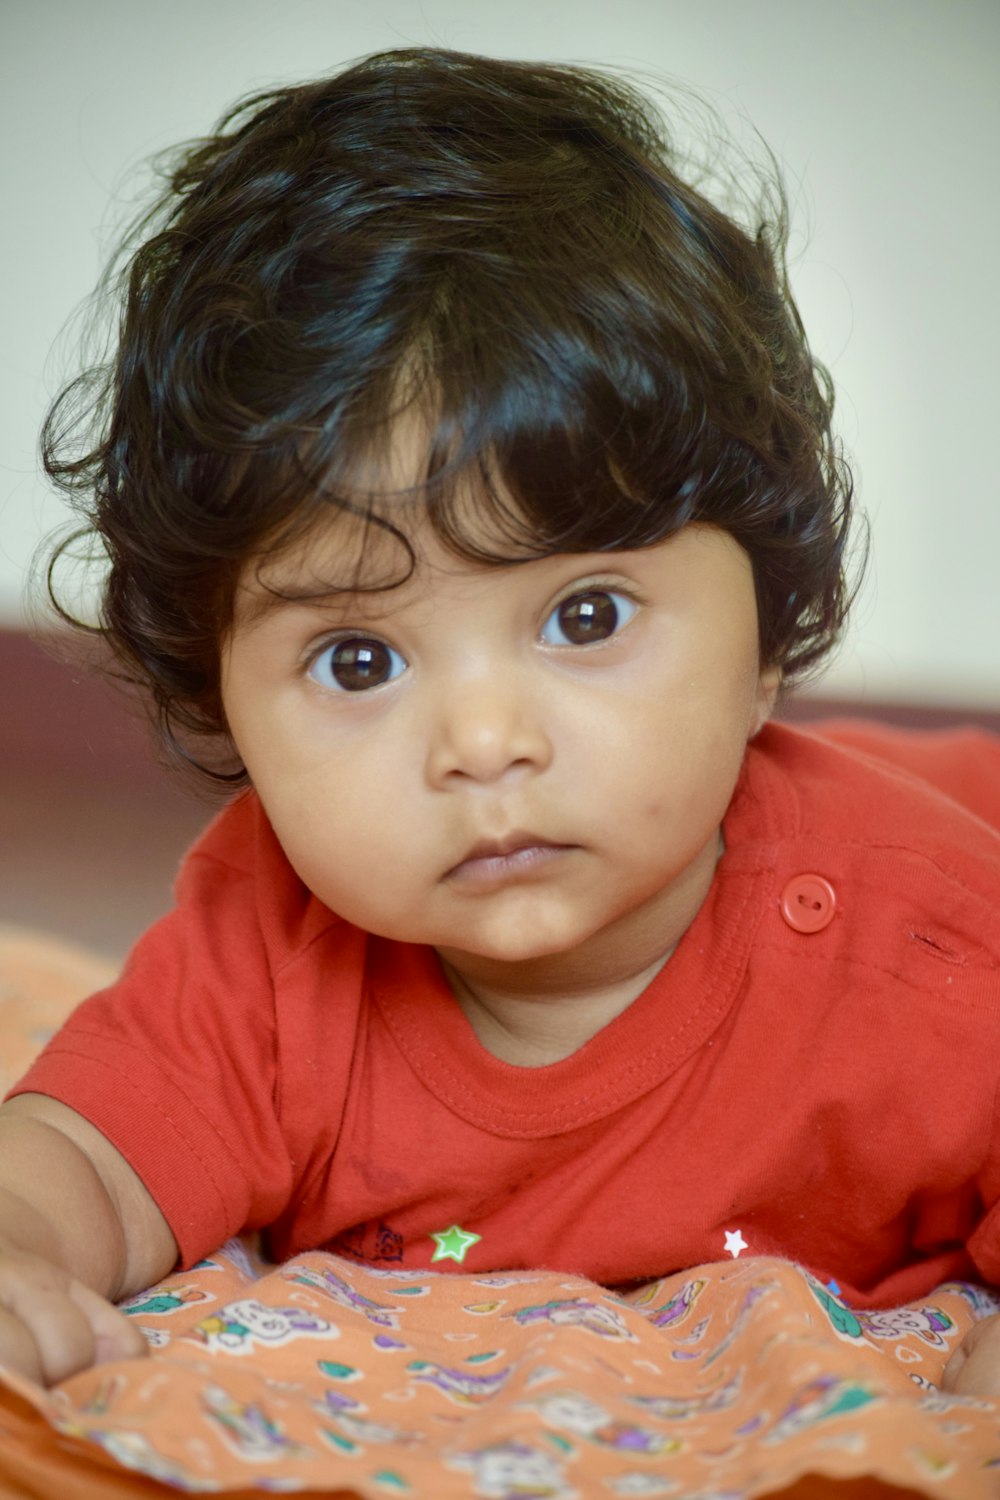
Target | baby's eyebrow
(254,606)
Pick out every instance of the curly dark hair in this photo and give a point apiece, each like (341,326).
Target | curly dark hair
(608,352)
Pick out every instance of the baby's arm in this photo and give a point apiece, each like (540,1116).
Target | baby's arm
(78,1230)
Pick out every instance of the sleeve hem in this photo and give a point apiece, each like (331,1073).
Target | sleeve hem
(197,1183)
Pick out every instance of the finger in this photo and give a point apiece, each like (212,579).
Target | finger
(115,1334)
(974,1368)
(18,1350)
(952,1370)
(978,1375)
(46,1335)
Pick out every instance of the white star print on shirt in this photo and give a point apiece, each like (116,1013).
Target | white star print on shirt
(735,1242)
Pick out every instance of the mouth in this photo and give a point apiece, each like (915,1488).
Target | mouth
(494,862)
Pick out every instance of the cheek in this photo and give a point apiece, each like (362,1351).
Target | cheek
(321,812)
(681,757)
(339,854)
(338,815)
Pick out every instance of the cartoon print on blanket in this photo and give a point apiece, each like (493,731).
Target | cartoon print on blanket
(324,1377)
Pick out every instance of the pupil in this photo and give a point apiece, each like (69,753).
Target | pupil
(588,617)
(360,664)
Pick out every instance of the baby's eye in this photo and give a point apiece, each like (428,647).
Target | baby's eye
(590,616)
(355,663)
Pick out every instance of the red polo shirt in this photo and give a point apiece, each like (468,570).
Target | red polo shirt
(816,1067)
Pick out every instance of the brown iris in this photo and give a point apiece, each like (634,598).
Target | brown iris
(359,663)
(588,617)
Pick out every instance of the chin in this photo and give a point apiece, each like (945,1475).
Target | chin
(517,947)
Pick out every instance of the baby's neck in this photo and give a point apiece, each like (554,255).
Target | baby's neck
(533,1030)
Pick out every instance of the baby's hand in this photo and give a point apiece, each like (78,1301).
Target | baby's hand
(52,1326)
(974,1368)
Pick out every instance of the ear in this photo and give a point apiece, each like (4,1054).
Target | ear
(768,684)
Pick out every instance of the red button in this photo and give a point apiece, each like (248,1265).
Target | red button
(808,903)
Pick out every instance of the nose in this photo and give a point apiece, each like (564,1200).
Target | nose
(485,731)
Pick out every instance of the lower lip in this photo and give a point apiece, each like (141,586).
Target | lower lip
(495,870)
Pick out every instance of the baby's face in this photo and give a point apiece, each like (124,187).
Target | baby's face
(523,764)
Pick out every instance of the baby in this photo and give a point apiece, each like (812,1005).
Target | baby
(468,493)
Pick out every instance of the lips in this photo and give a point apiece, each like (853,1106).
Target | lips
(512,844)
(494,861)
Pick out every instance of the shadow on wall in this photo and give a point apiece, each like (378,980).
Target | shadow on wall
(92,827)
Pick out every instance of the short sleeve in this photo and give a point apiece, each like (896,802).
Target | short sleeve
(176,1063)
(961,762)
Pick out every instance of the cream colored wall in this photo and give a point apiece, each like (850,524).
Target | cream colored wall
(885,113)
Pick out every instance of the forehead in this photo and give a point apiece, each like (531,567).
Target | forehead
(391,548)
(337,554)
(383,525)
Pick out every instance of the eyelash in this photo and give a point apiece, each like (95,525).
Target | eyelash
(612,591)
(366,661)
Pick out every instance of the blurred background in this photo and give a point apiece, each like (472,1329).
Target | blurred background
(885,115)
